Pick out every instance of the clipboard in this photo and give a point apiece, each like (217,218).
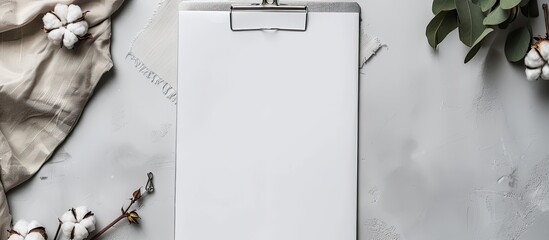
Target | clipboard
(267,121)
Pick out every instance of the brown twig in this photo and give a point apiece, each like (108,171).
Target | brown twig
(108,226)
(125,214)
(122,216)
(131,216)
(87,36)
(546,15)
(58,229)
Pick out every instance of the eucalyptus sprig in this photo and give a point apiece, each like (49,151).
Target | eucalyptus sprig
(478,19)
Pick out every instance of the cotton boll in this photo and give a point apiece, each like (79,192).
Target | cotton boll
(533,74)
(69,39)
(27,231)
(61,10)
(21,227)
(78,223)
(51,21)
(78,28)
(533,59)
(74,12)
(34,236)
(70,29)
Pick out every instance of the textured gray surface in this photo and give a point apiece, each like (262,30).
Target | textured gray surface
(448,151)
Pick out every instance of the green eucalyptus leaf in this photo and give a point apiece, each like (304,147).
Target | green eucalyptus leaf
(470,21)
(486,5)
(507,4)
(517,44)
(477,44)
(443,5)
(531,9)
(512,16)
(472,52)
(440,26)
(496,16)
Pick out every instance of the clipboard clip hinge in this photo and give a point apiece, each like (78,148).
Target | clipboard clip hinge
(269,16)
(266,2)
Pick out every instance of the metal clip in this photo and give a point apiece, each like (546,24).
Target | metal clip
(246,17)
(150,186)
(266,2)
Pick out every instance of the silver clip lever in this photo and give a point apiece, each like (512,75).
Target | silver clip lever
(268,16)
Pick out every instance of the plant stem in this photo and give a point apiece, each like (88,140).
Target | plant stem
(546,15)
(124,215)
(128,208)
(58,229)
(108,226)
(135,196)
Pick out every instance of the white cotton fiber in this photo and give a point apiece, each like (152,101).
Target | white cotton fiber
(533,59)
(68,217)
(51,21)
(66,228)
(544,49)
(78,28)
(88,223)
(35,236)
(56,35)
(80,232)
(81,213)
(16,237)
(545,72)
(21,227)
(61,10)
(74,12)
(533,74)
(69,39)
(33,224)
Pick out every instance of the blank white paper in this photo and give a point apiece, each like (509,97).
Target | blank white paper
(267,126)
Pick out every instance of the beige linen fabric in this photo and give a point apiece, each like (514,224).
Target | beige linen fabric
(43,88)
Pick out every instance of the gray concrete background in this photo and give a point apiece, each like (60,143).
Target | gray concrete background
(448,151)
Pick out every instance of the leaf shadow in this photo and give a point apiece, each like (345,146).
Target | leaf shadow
(494,79)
